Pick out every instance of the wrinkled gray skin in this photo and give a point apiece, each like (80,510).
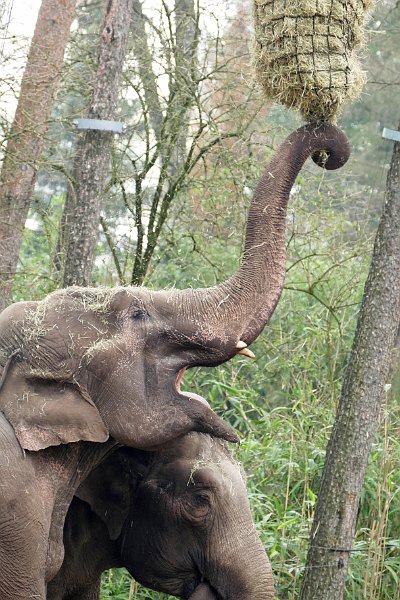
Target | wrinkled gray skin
(88,365)
(177,519)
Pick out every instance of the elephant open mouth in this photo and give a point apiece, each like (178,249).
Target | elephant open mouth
(190,395)
(202,413)
(179,378)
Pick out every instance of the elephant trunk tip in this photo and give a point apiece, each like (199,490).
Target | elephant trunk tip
(334,149)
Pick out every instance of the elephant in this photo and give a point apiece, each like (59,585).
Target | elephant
(178,519)
(87,368)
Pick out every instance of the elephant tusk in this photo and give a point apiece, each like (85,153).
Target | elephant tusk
(247,352)
(243,349)
(240,345)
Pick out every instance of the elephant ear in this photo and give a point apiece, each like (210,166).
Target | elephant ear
(108,491)
(47,413)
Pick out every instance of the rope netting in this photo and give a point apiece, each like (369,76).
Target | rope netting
(305,53)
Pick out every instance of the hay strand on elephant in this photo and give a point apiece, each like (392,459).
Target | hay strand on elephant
(305,53)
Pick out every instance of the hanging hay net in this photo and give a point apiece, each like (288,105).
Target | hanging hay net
(304,53)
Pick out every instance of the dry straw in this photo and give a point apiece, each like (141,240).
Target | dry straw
(305,53)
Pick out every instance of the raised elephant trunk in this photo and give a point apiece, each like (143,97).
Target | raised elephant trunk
(239,308)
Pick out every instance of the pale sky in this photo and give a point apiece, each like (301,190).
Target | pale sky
(13,56)
(23,17)
(22,24)
(24,13)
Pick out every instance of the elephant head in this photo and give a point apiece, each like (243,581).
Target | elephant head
(178,519)
(83,364)
(192,524)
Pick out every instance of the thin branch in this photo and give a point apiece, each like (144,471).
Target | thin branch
(111,246)
(310,292)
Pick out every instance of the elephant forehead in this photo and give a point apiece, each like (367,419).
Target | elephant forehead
(77,308)
(63,325)
(215,474)
(90,299)
(35,324)
(218,472)
(198,449)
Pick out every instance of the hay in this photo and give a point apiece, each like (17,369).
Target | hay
(95,300)
(305,53)
(34,325)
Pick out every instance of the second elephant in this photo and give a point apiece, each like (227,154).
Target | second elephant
(178,519)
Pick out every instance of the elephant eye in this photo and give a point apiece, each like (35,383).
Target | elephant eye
(198,505)
(201,500)
(138,312)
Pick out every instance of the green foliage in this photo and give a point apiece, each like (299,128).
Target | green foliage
(38,250)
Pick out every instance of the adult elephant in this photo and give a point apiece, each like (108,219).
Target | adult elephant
(91,365)
(177,519)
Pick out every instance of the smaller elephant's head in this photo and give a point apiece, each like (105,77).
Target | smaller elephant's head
(181,520)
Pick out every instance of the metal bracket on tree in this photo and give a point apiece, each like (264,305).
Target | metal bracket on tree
(99,125)
(391,134)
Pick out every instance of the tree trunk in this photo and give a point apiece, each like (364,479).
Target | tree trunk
(145,68)
(26,138)
(360,403)
(187,38)
(93,149)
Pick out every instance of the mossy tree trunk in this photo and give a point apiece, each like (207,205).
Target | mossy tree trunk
(82,217)
(27,134)
(335,517)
